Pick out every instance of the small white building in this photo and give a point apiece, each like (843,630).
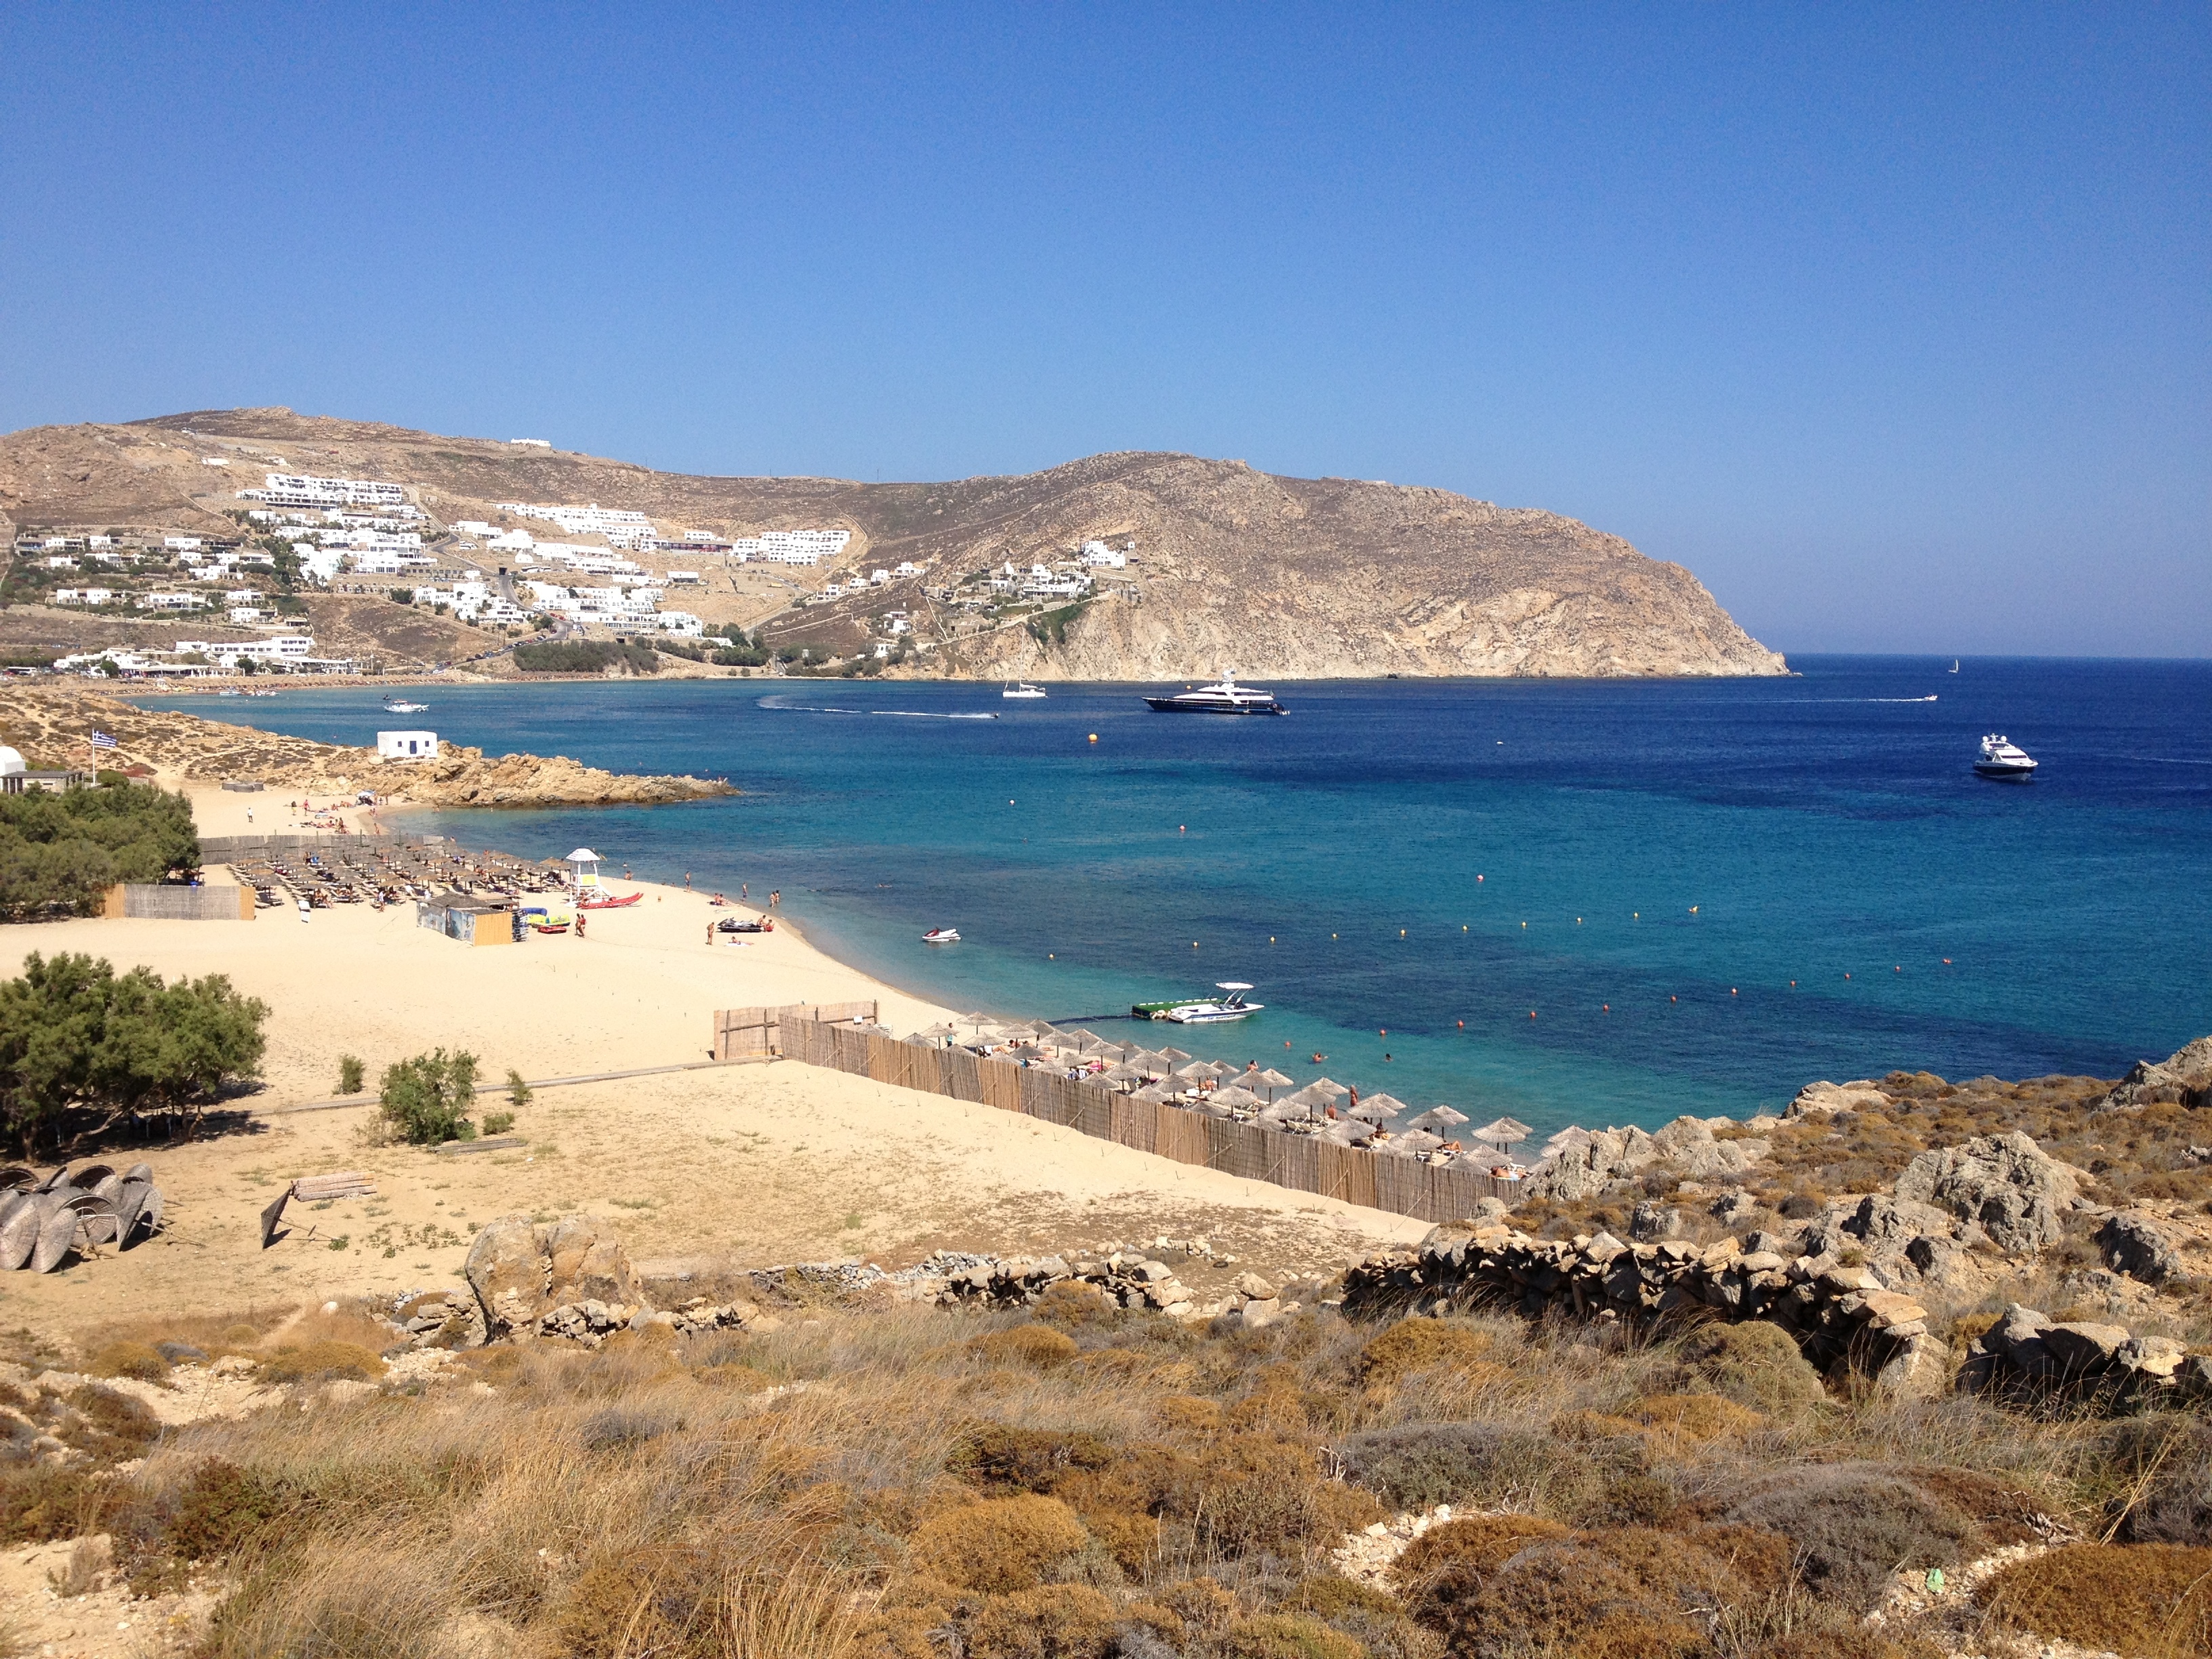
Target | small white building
(407,745)
(181,544)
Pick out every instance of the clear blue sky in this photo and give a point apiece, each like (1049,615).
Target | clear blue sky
(1894,324)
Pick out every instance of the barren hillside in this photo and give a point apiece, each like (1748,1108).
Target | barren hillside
(1232,568)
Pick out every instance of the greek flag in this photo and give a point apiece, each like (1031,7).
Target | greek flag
(101,740)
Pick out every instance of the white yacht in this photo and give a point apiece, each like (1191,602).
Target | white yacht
(1224,698)
(401,706)
(2004,758)
(1022,689)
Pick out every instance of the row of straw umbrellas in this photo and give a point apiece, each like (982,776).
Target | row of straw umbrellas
(1169,1076)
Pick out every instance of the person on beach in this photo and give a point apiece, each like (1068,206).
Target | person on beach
(775,898)
(687,879)
(580,920)
(744,892)
(710,932)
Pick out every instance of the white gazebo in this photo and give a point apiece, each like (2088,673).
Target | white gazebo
(583,869)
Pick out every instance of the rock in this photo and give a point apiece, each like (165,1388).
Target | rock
(2004,1185)
(1734,1208)
(180,1353)
(1652,1221)
(1921,1369)
(586,1262)
(2083,1349)
(2132,1245)
(510,1275)
(2184,1077)
(1256,1288)
(2157,1358)
(1816,1099)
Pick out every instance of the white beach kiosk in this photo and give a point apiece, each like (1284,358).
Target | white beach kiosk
(583,872)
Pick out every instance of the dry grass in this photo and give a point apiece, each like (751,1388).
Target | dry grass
(911,1483)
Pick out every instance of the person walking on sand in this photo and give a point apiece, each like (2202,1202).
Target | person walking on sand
(580,920)
(710,932)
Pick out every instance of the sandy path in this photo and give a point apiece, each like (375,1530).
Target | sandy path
(751,1164)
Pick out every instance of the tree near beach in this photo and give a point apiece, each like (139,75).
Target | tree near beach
(83,1048)
(57,852)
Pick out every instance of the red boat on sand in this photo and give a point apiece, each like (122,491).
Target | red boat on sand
(609,903)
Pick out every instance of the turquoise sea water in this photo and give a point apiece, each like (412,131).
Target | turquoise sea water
(1644,866)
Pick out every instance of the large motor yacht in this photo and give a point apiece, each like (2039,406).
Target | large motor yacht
(2004,758)
(1226,698)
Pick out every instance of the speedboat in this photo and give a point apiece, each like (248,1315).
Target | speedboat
(401,706)
(2004,758)
(941,936)
(1022,689)
(1223,697)
(1216,1012)
(745,925)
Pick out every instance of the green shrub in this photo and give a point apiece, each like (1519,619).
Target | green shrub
(1419,1465)
(349,1074)
(518,1092)
(424,1099)
(498,1123)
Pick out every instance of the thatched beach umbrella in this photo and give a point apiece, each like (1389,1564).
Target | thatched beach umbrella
(1503,1132)
(1174,1056)
(1237,1097)
(1152,1094)
(1201,1068)
(1417,1140)
(1378,1107)
(1572,1139)
(1121,1073)
(1436,1118)
(1272,1080)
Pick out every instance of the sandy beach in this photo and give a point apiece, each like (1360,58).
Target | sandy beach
(747,1164)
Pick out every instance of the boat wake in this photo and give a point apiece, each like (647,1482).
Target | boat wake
(779,706)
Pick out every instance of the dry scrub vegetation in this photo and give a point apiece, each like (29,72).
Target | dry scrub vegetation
(1082,1482)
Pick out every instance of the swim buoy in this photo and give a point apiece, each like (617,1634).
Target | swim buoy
(1094,737)
(1463,1025)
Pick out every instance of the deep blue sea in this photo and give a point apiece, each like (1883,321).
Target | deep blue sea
(1584,901)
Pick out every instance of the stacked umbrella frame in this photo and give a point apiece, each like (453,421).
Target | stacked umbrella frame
(42,1221)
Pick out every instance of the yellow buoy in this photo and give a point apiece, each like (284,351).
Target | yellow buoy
(1094,737)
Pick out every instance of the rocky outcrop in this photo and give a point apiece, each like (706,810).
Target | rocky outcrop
(2184,1077)
(465,777)
(1687,1146)
(2003,1187)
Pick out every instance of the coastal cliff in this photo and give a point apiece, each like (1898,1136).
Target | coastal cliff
(1227,567)
(51,725)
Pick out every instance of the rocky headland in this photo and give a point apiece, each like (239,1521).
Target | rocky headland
(50,724)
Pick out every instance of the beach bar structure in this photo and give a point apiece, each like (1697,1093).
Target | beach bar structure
(472,922)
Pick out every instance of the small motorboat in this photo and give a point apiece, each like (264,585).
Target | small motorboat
(401,706)
(1022,689)
(745,925)
(941,936)
(2004,760)
(609,902)
(1216,1012)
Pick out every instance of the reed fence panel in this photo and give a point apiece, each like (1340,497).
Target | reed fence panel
(822,1036)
